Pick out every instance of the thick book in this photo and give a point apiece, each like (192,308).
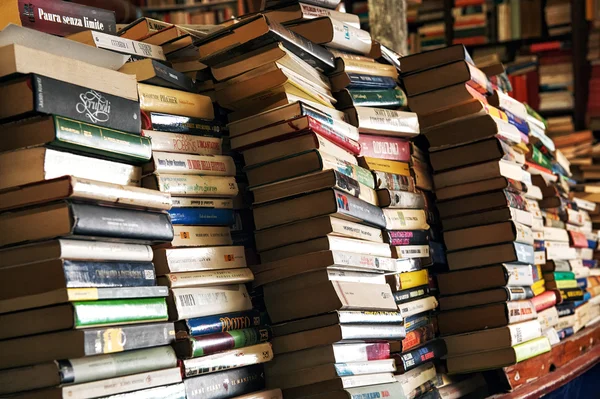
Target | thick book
(384,165)
(393,98)
(25,60)
(404,281)
(327,202)
(202,216)
(142,27)
(478,187)
(488,235)
(181,124)
(346,80)
(79,343)
(416,357)
(481,151)
(484,171)
(83,190)
(230,359)
(193,185)
(170,101)
(207,278)
(119,44)
(384,147)
(256,32)
(400,199)
(480,203)
(205,345)
(80,137)
(200,236)
(308,229)
(384,121)
(41,95)
(173,391)
(327,297)
(498,358)
(394,182)
(407,237)
(154,73)
(488,255)
(417,306)
(453,101)
(405,219)
(334,33)
(57,18)
(432,59)
(75,219)
(39,163)
(184,164)
(304,10)
(410,294)
(418,337)
(226,384)
(447,75)
(184,143)
(208,325)
(186,303)
(86,369)
(178,260)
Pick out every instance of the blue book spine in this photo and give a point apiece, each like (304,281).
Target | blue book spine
(564,333)
(592,244)
(81,274)
(370,82)
(591,263)
(222,323)
(565,309)
(519,123)
(416,321)
(582,283)
(202,216)
(586,297)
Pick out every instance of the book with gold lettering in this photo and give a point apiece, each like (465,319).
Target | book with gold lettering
(169,101)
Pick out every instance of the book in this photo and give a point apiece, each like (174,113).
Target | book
(312,228)
(404,281)
(165,100)
(227,43)
(118,44)
(400,199)
(202,216)
(333,33)
(417,306)
(410,294)
(181,124)
(450,100)
(247,356)
(384,147)
(192,185)
(346,80)
(416,357)
(405,219)
(394,182)
(360,67)
(444,76)
(142,27)
(79,343)
(184,143)
(218,385)
(207,278)
(498,358)
(418,337)
(152,72)
(501,253)
(185,303)
(329,4)
(174,391)
(384,121)
(206,345)
(339,383)
(488,235)
(326,202)
(484,171)
(68,134)
(478,152)
(200,236)
(208,325)
(76,371)
(178,260)
(481,203)
(183,164)
(302,11)
(432,59)
(57,18)
(25,60)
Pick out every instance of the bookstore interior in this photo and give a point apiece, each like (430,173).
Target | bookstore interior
(299,199)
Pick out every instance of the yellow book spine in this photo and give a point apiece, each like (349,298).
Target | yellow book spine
(176,102)
(370,68)
(538,287)
(404,281)
(387,166)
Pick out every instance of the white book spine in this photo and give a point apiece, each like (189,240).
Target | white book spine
(347,37)
(98,250)
(184,143)
(310,11)
(405,219)
(206,301)
(519,275)
(526,331)
(329,148)
(377,331)
(548,318)
(367,262)
(207,278)
(524,234)
(122,45)
(201,236)
(192,259)
(201,186)
(379,119)
(216,203)
(358,246)
(356,230)
(357,277)
(234,358)
(521,216)
(520,311)
(344,353)
(369,367)
(205,165)
(418,306)
(356,381)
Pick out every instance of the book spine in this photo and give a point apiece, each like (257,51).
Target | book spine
(311,11)
(170,75)
(355,230)
(184,143)
(247,356)
(206,301)
(410,294)
(337,133)
(104,293)
(106,251)
(127,46)
(219,342)
(85,369)
(523,332)
(394,182)
(519,275)
(355,188)
(572,294)
(532,348)
(201,186)
(362,352)
(565,309)
(329,147)
(207,165)
(169,101)
(194,259)
(206,278)
(361,175)
(405,219)
(382,147)
(417,306)
(119,311)
(407,237)
(99,341)
(202,216)
(315,55)
(94,220)
(377,391)
(362,81)
(212,203)
(360,368)
(548,318)
(55,97)
(375,69)
(361,210)
(351,259)
(201,236)
(105,142)
(519,293)
(173,391)
(223,323)
(108,274)
(418,337)
(387,120)
(520,311)
(411,323)
(403,199)
(225,384)
(349,38)
(416,357)
(61,19)
(382,165)
(181,124)
(360,316)
(404,281)
(376,332)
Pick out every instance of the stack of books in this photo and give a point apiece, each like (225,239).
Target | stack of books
(470,23)
(556,76)
(483,197)
(81,312)
(593,56)
(558,17)
(517,19)
(420,13)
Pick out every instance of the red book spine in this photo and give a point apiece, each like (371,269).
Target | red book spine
(418,337)
(378,351)
(544,301)
(394,149)
(547,46)
(333,136)
(578,240)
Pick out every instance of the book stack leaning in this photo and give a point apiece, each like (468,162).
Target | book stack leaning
(493,286)
(81,312)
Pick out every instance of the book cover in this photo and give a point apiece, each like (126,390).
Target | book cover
(57,18)
(202,216)
(414,358)
(204,345)
(383,147)
(176,260)
(225,384)
(181,124)
(192,185)
(230,359)
(164,100)
(177,163)
(119,311)
(201,236)
(56,97)
(217,324)
(186,303)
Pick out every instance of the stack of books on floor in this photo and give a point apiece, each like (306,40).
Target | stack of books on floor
(490,295)
(81,312)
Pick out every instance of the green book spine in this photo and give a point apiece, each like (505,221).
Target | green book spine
(386,98)
(540,159)
(219,342)
(119,311)
(532,348)
(108,143)
(564,276)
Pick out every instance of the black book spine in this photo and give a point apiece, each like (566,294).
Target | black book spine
(414,358)
(407,237)
(103,221)
(356,208)
(80,274)
(173,78)
(410,294)
(115,339)
(55,97)
(226,384)
(181,124)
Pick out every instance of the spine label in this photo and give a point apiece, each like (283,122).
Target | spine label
(523,332)
(417,306)
(362,210)
(229,383)
(418,337)
(382,147)
(194,259)
(353,187)
(410,294)
(184,143)
(419,356)
(351,259)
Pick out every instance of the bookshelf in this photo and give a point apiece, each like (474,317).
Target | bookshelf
(189,7)
(222,10)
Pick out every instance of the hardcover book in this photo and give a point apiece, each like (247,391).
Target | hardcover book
(206,345)
(220,385)
(165,100)
(181,124)
(246,356)
(204,165)
(192,185)
(208,325)
(154,73)
(184,143)
(119,44)
(185,303)
(200,236)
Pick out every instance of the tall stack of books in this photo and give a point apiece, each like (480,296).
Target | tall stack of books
(482,191)
(556,76)
(81,312)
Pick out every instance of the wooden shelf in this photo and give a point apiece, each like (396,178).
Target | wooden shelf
(189,7)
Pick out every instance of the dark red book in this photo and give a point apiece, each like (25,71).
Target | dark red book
(383,147)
